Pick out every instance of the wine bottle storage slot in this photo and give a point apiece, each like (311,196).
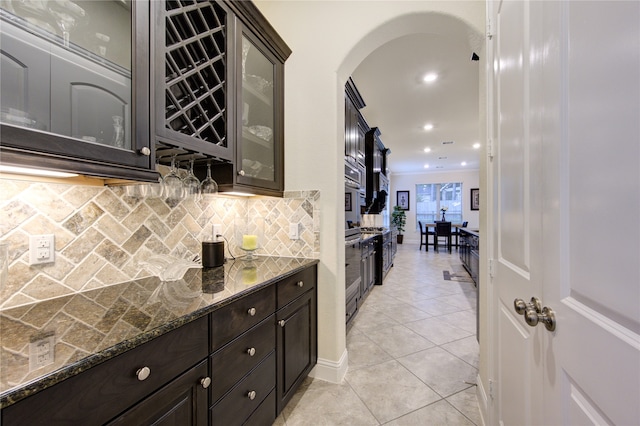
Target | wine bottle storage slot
(195,67)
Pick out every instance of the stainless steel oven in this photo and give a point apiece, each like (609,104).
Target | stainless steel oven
(354,194)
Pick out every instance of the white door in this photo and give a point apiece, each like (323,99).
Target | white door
(517,237)
(567,210)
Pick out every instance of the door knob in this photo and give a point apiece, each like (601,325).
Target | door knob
(521,306)
(547,317)
(534,313)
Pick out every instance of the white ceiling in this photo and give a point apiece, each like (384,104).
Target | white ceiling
(399,103)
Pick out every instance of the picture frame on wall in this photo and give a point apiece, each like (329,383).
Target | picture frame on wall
(347,202)
(402,199)
(475,199)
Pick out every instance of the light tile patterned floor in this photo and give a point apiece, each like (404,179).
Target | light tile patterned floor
(413,354)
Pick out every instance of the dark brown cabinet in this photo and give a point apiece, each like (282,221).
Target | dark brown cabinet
(68,107)
(114,387)
(243,358)
(219,93)
(297,346)
(181,402)
(355,124)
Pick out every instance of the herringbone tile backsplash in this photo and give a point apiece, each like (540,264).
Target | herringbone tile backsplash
(102,233)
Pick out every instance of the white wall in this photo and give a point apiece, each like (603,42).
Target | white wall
(329,39)
(407,182)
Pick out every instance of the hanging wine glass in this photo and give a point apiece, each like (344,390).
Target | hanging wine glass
(208,187)
(172,184)
(66,14)
(190,182)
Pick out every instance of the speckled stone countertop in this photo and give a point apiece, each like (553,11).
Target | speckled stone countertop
(475,232)
(90,327)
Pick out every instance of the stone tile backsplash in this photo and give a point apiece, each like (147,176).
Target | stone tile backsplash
(102,233)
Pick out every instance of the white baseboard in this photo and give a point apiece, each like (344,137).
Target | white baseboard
(331,371)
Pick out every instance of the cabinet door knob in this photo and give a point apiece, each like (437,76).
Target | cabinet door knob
(251,351)
(205,382)
(252,311)
(145,151)
(281,323)
(143,373)
(252,395)
(241,172)
(300,283)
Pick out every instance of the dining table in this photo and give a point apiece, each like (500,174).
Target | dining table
(454,226)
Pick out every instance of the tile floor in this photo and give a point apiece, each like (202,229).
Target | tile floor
(413,355)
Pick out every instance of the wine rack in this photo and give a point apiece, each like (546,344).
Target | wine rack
(195,64)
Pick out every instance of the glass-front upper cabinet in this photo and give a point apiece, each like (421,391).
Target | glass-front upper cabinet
(70,78)
(259,154)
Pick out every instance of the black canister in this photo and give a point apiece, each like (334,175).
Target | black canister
(212,254)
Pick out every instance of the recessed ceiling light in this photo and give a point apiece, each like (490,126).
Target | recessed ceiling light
(427,150)
(426,166)
(428,127)
(464,163)
(476,145)
(430,78)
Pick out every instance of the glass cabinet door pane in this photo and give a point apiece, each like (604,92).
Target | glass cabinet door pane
(257,153)
(69,69)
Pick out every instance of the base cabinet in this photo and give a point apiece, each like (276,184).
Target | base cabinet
(239,365)
(297,332)
(116,387)
(181,402)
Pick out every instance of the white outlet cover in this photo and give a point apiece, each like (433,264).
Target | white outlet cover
(42,249)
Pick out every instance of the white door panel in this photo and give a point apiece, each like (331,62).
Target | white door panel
(566,177)
(519,365)
(592,278)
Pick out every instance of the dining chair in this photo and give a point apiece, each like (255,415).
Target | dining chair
(443,230)
(456,232)
(424,236)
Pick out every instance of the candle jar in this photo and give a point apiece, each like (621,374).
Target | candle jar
(249,235)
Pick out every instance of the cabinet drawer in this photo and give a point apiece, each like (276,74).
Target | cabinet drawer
(106,390)
(234,319)
(265,414)
(237,405)
(296,285)
(233,361)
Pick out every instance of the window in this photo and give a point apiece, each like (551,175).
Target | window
(431,197)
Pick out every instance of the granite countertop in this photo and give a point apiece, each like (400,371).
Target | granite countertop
(471,231)
(90,327)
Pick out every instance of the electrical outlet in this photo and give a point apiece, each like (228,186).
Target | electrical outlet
(217,230)
(42,249)
(41,352)
(294,231)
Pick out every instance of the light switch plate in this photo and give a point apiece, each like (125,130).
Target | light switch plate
(294,231)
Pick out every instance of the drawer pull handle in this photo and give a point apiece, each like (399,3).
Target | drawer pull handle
(143,373)
(281,323)
(251,351)
(300,283)
(252,395)
(205,382)
(252,311)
